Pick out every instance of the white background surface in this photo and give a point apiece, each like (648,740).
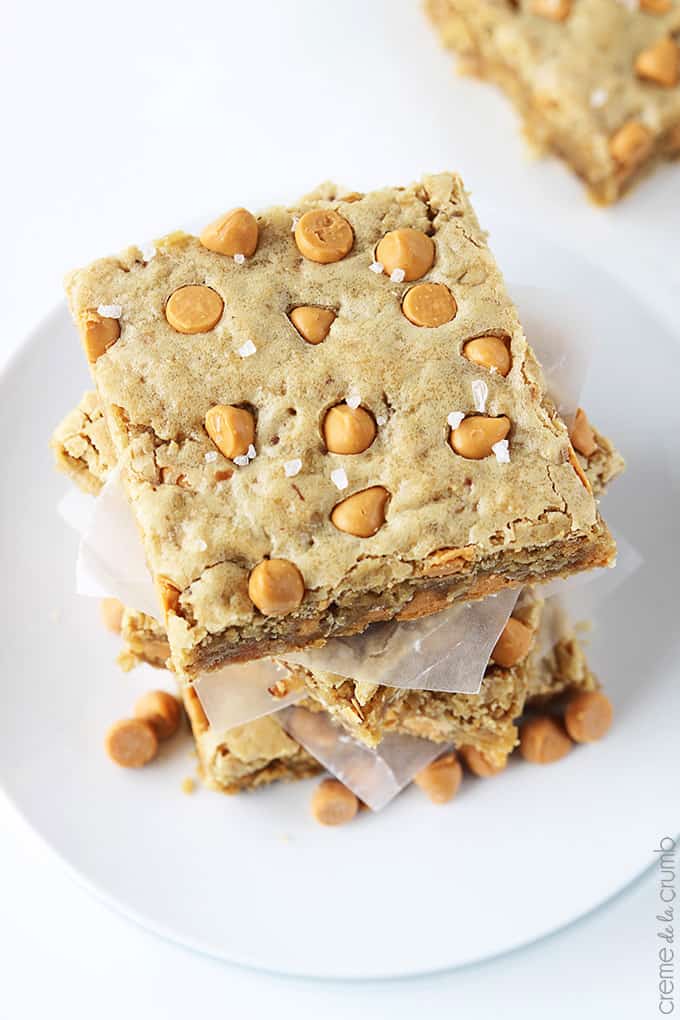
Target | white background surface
(122,122)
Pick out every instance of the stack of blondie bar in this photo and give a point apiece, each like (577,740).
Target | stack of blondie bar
(325,418)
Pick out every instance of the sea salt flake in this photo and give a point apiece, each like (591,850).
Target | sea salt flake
(110,311)
(339,478)
(381,419)
(376,267)
(455,418)
(353,399)
(210,457)
(242,460)
(201,545)
(397,275)
(251,452)
(296,220)
(246,349)
(502,451)
(598,98)
(239,258)
(148,251)
(292,467)
(480,394)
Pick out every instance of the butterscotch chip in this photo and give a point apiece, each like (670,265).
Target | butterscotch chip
(476,435)
(97,333)
(631,144)
(111,611)
(194,309)
(323,235)
(479,764)
(276,587)
(131,743)
(588,716)
(440,779)
(348,430)
(429,304)
(312,323)
(655,6)
(582,435)
(161,710)
(410,250)
(513,645)
(234,233)
(232,429)
(489,352)
(660,63)
(543,740)
(362,514)
(555,10)
(333,803)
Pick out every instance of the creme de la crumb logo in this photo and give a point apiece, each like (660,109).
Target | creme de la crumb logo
(666,920)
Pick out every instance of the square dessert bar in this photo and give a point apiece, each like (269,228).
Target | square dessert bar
(329,415)
(596,82)
(525,675)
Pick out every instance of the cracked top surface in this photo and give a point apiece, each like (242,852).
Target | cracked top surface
(207,521)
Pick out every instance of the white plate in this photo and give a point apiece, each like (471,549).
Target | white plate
(253,879)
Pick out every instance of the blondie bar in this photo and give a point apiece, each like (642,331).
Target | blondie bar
(596,82)
(327,416)
(481,726)
(260,752)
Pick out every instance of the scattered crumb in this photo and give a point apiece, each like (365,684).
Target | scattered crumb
(188,785)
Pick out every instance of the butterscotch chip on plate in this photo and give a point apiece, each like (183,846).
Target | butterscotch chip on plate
(287,480)
(543,740)
(441,779)
(131,743)
(481,764)
(588,716)
(333,803)
(596,82)
(161,710)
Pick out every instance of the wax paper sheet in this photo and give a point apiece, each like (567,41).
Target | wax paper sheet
(375,776)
